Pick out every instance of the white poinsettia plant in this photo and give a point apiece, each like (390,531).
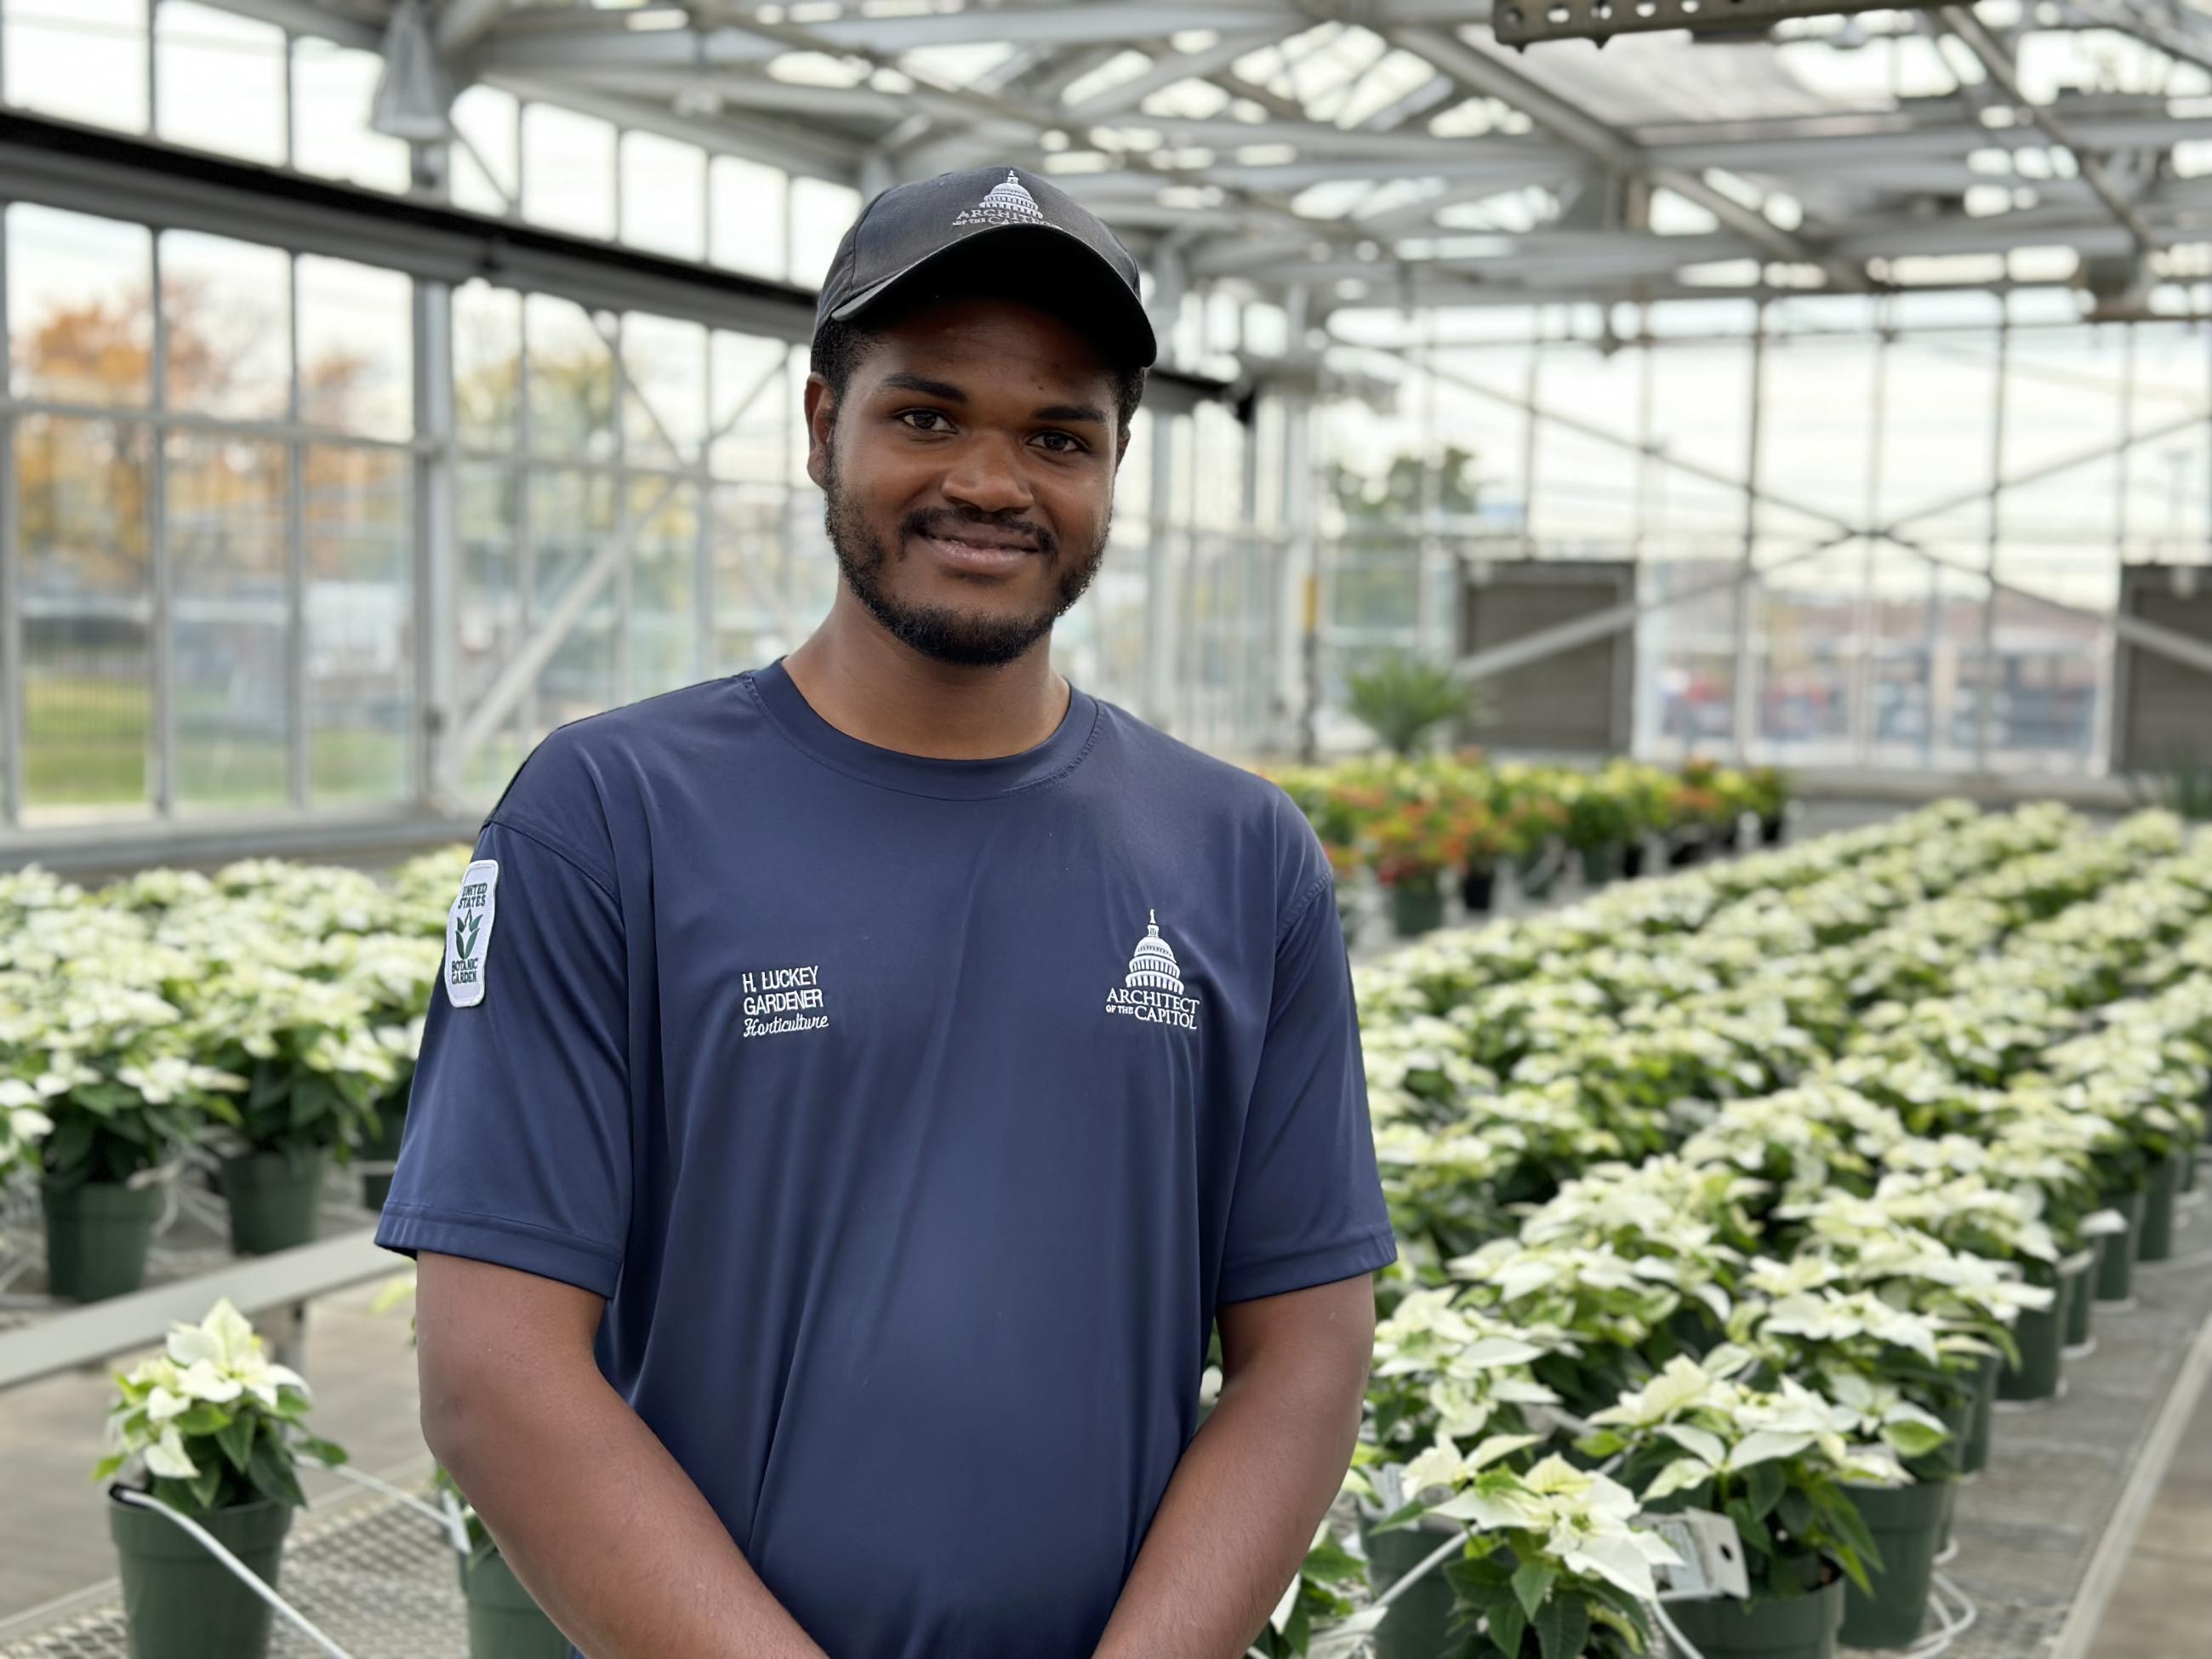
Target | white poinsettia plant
(212,1421)
(1554,1563)
(1775,1462)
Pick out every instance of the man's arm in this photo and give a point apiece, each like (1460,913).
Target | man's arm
(598,1521)
(1256,1479)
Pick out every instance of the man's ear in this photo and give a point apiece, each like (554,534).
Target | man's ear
(1121,449)
(821,407)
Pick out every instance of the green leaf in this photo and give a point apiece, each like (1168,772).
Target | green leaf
(269,1467)
(206,1484)
(1563,1627)
(1532,1584)
(291,1404)
(1765,1484)
(330,1455)
(105,1469)
(1751,1530)
(204,1418)
(1796,1512)
(1916,1439)
(1507,1625)
(236,1439)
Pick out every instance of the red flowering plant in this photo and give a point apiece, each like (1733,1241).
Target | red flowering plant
(1419,838)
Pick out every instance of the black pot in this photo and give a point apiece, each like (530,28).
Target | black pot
(1687,852)
(1771,831)
(1631,859)
(1478,891)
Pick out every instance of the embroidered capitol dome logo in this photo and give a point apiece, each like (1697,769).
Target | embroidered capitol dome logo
(1008,204)
(1151,990)
(1154,966)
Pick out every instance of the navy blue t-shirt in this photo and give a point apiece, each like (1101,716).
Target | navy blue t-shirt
(913,1115)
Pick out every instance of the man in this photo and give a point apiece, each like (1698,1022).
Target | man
(858,1085)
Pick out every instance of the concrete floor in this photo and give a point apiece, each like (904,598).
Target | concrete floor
(2162,1607)
(358,1365)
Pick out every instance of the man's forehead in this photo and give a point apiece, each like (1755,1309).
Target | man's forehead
(958,325)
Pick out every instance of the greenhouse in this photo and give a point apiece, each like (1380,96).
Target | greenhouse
(1085,829)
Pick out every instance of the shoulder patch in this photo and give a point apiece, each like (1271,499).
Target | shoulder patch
(468,933)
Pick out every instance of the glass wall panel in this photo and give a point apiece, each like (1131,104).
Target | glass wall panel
(84,492)
(755,425)
(487,366)
(218,82)
(1685,656)
(231,637)
(664,195)
(1584,490)
(487,171)
(490,597)
(569,171)
(333,87)
(821,212)
(1805,645)
(572,381)
(664,630)
(357,356)
(1816,429)
(360,619)
(665,402)
(572,516)
(749,218)
(83,60)
(80,314)
(750,585)
(227,315)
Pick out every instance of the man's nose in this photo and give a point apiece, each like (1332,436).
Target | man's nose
(987,475)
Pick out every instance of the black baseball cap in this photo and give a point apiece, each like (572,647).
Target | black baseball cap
(995,213)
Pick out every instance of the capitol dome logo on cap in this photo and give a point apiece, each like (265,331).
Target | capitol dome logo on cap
(1080,267)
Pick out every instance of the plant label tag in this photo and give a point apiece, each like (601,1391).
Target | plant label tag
(1712,1556)
(468,933)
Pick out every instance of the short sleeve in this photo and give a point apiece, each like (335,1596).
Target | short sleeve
(516,1148)
(1307,1207)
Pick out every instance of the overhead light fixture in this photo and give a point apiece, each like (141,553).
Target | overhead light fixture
(413,94)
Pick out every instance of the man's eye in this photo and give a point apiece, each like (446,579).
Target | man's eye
(1074,445)
(913,415)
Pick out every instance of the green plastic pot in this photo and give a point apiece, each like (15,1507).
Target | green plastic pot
(2116,1268)
(2155,1242)
(179,1601)
(504,1623)
(1908,1524)
(275,1202)
(1417,1625)
(2041,1335)
(2081,1297)
(382,1148)
(1803,1628)
(1416,907)
(1600,865)
(1974,1455)
(97,1232)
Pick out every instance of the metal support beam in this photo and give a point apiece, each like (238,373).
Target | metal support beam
(1168,69)
(1964,25)
(1482,73)
(1744,685)
(459,24)
(436,552)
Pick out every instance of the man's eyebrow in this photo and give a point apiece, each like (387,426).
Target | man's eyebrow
(903,381)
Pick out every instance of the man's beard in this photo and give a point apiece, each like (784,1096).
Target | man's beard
(938,631)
